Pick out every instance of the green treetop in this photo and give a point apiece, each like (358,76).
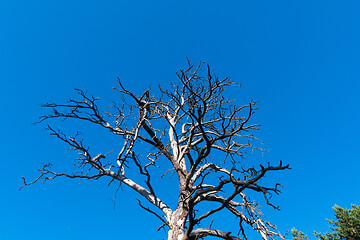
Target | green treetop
(347,225)
(298,235)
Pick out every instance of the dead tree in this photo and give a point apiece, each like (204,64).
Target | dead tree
(199,132)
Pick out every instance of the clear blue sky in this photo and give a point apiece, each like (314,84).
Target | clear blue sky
(300,58)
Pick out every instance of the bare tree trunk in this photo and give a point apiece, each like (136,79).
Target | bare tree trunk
(177,220)
(177,224)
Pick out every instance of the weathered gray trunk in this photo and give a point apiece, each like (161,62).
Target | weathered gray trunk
(177,224)
(178,218)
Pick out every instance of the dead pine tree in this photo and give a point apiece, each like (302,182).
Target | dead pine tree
(201,134)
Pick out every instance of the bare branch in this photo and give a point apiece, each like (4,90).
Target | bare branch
(152,212)
(203,232)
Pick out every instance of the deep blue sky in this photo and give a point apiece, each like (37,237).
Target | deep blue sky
(300,58)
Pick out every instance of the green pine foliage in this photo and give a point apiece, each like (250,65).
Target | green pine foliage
(298,235)
(345,227)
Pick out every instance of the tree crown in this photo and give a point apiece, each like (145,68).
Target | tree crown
(198,131)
